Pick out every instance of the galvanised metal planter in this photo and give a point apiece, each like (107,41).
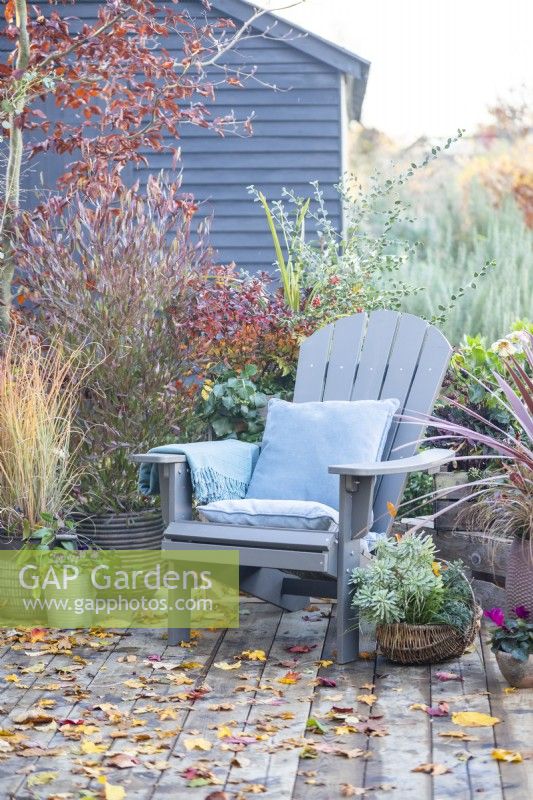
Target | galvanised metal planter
(134,530)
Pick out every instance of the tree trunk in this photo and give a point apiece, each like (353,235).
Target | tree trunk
(12,181)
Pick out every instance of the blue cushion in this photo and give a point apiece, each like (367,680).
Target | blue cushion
(302,440)
(299,514)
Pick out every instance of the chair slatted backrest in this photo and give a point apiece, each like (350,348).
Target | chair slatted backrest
(369,357)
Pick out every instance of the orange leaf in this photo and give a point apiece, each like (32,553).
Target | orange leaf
(391,508)
(9,11)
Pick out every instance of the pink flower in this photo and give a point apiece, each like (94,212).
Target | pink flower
(334,280)
(316,301)
(521,612)
(497,616)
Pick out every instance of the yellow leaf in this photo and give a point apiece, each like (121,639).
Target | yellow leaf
(197,743)
(369,699)
(39,667)
(418,707)
(435,566)
(473,719)
(324,662)
(89,747)
(40,778)
(391,508)
(224,732)
(12,678)
(510,690)
(225,666)
(507,755)
(254,655)
(112,791)
(459,735)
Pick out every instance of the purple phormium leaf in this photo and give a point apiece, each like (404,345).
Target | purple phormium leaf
(520,411)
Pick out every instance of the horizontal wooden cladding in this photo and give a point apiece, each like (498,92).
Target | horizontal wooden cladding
(236,191)
(278,113)
(234,176)
(255,145)
(243,160)
(240,237)
(267,96)
(250,224)
(273,128)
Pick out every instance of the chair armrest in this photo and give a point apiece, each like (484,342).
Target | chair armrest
(429,460)
(157,458)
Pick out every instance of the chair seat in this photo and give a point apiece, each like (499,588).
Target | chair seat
(262,513)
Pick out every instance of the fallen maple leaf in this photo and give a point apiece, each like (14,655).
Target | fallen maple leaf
(440,710)
(113,791)
(122,761)
(226,666)
(290,678)
(254,788)
(197,743)
(510,756)
(224,732)
(301,648)
(448,676)
(473,719)
(418,707)
(431,769)
(89,747)
(465,737)
(253,655)
(218,795)
(314,725)
(40,778)
(12,678)
(324,662)
(329,682)
(347,790)
(510,690)
(368,699)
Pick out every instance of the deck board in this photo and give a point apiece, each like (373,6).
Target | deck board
(155,718)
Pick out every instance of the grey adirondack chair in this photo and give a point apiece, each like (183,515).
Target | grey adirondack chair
(384,354)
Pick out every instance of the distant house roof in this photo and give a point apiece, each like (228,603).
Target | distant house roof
(352,65)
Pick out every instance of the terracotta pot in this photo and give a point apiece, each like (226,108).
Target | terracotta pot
(516,673)
(519,578)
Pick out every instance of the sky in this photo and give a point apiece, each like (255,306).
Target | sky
(437,65)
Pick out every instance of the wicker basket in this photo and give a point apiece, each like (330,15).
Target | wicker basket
(426,644)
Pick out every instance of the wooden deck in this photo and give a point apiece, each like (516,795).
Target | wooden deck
(84,716)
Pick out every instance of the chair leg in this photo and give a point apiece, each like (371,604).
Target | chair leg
(267,584)
(347,618)
(177,635)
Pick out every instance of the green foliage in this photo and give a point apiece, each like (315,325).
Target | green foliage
(515,637)
(415,501)
(471,383)
(233,405)
(292,268)
(461,234)
(333,273)
(404,583)
(53,532)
